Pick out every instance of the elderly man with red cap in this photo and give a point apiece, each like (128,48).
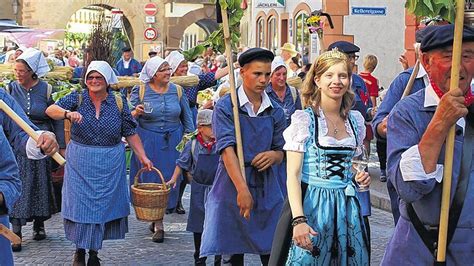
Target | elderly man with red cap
(416,134)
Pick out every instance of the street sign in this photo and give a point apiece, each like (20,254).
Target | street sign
(150,19)
(150,34)
(369,11)
(151,9)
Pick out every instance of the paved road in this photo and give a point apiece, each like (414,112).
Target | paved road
(137,248)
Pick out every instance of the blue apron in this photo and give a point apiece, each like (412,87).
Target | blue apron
(161,150)
(6,256)
(205,171)
(95,187)
(225,230)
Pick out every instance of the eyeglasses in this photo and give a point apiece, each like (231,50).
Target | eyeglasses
(164,69)
(98,78)
(21,72)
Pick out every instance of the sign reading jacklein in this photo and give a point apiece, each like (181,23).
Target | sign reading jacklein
(269,3)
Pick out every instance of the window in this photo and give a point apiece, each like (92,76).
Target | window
(272,43)
(260,32)
(301,32)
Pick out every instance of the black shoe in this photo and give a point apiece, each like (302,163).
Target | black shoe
(152,227)
(180,209)
(79,257)
(38,231)
(158,236)
(170,211)
(93,259)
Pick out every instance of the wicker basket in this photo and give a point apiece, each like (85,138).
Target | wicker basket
(149,199)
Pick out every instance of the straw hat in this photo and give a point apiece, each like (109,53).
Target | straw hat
(289,47)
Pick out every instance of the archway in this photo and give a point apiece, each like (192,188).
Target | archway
(197,33)
(203,17)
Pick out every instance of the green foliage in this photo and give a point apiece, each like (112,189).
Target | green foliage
(432,8)
(62,88)
(216,39)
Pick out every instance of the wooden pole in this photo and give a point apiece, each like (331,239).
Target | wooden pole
(20,122)
(9,235)
(449,153)
(233,91)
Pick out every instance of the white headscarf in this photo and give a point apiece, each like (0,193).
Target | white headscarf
(174,59)
(36,61)
(149,69)
(277,62)
(104,69)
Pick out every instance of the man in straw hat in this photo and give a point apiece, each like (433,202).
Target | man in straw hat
(417,131)
(257,197)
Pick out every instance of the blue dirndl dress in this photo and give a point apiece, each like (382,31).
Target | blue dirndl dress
(330,203)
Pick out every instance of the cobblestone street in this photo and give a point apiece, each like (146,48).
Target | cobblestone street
(138,249)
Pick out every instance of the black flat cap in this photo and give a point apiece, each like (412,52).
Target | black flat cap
(255,54)
(421,33)
(345,47)
(443,36)
(126,49)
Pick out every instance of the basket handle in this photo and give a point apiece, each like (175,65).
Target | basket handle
(135,182)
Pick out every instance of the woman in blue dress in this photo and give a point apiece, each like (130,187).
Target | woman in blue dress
(160,126)
(320,142)
(179,68)
(37,201)
(95,202)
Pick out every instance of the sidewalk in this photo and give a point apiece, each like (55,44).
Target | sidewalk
(378,190)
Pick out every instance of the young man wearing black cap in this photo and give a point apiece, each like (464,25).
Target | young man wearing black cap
(127,65)
(242,213)
(416,134)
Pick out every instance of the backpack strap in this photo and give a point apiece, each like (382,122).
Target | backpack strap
(49,90)
(179,90)
(294,94)
(118,100)
(141,92)
(79,100)
(7,88)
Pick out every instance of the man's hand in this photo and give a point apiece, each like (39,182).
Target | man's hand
(450,108)
(382,127)
(47,143)
(403,61)
(265,159)
(245,202)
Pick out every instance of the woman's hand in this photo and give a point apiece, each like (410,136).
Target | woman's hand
(74,117)
(363,179)
(301,236)
(139,110)
(146,163)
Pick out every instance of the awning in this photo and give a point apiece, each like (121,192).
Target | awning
(28,37)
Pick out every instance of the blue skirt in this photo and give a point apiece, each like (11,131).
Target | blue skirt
(341,235)
(161,150)
(91,236)
(6,255)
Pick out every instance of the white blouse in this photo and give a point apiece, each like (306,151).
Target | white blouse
(298,132)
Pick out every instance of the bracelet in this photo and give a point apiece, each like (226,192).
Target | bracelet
(298,220)
(65,114)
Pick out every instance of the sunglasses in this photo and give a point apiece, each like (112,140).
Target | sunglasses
(98,78)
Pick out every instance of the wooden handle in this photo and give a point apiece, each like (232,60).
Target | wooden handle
(135,182)
(21,123)
(8,234)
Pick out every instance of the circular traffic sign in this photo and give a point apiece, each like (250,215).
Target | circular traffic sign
(150,34)
(150,9)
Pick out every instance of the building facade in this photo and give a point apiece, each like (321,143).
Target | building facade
(377,27)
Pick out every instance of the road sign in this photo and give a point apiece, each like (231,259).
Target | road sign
(150,19)
(150,34)
(369,11)
(151,9)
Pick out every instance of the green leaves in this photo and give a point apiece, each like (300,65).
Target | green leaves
(432,8)
(194,52)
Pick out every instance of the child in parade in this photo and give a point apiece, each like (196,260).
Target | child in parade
(241,214)
(199,159)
